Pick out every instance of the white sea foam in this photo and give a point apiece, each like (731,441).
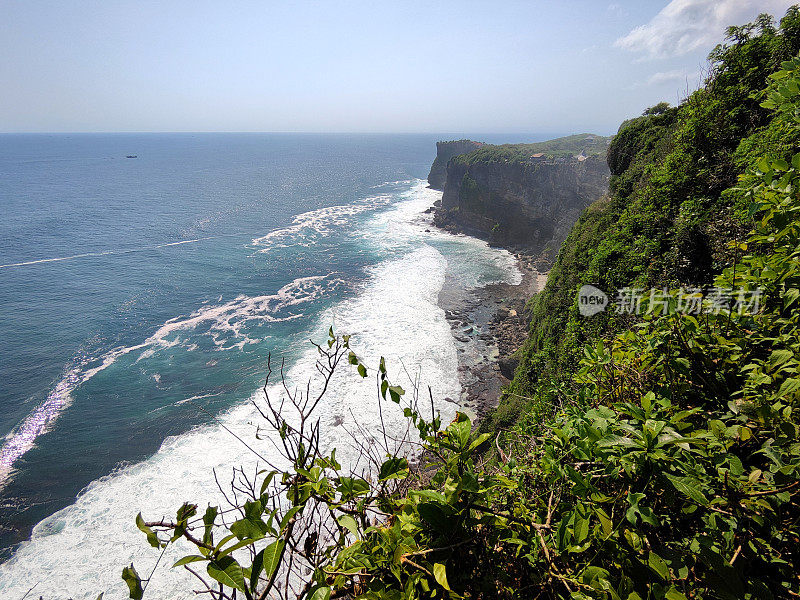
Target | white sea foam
(470,261)
(107,252)
(319,222)
(79,551)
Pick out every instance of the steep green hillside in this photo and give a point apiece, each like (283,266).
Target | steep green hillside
(673,206)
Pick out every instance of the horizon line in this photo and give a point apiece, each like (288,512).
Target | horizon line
(145,132)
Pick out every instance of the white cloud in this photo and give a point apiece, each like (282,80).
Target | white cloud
(686,25)
(676,76)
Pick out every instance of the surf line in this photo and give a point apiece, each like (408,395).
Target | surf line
(113,252)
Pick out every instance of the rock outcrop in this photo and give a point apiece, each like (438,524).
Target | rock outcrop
(444,152)
(525,201)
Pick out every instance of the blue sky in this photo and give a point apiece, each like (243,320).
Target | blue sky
(494,67)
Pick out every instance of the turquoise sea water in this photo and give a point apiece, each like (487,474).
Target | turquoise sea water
(140,297)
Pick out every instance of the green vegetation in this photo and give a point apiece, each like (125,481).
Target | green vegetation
(662,460)
(673,204)
(573,145)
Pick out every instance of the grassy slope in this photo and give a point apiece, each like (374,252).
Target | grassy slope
(588,143)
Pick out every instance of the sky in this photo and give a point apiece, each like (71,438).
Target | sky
(559,66)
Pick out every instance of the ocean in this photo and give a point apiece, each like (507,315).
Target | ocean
(140,298)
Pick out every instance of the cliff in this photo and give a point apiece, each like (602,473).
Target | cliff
(526,196)
(444,152)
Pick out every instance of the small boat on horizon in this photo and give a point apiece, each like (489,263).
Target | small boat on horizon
(131,156)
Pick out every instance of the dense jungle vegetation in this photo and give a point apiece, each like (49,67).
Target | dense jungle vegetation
(674,203)
(650,456)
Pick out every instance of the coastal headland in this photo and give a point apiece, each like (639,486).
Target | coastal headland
(522,197)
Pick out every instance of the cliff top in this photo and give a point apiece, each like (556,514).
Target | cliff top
(585,144)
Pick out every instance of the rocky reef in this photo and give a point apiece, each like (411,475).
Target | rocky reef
(524,196)
(444,152)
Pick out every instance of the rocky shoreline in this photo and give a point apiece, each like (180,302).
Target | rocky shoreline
(489,324)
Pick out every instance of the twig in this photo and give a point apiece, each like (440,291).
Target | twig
(503,456)
(736,554)
(413,564)
(29,591)
(778,491)
(512,518)
(443,548)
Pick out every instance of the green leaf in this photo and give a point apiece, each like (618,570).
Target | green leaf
(236,546)
(131,577)
(687,487)
(592,576)
(290,514)
(434,514)
(674,594)
(249,529)
(616,440)
(657,564)
(362,370)
(779,357)
(605,521)
(394,468)
(152,538)
(349,523)
(186,512)
(789,387)
(320,593)
(791,296)
(469,482)
(255,569)
(580,529)
(459,432)
(188,559)
(781,165)
(440,573)
(479,440)
(208,521)
(395,391)
(228,572)
(272,557)
(350,487)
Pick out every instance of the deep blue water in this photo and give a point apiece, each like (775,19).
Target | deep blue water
(140,297)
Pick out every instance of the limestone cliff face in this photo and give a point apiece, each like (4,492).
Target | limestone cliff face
(444,152)
(529,205)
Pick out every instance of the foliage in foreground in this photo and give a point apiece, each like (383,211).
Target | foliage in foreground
(672,472)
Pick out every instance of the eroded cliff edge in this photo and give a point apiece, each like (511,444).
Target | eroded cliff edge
(444,152)
(524,196)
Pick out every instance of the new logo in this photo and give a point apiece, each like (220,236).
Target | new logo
(591,300)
